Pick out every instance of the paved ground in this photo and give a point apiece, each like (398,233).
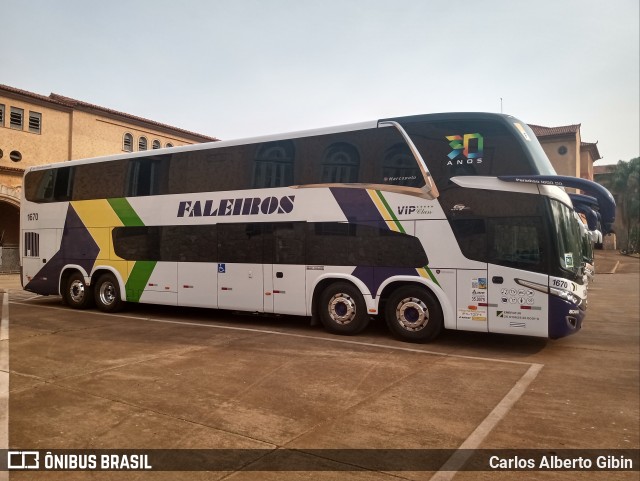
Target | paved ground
(157,377)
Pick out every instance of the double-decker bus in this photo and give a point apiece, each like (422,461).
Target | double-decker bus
(453,221)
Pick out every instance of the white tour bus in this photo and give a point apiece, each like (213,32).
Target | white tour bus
(436,221)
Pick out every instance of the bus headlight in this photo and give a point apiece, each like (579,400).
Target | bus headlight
(566,295)
(561,293)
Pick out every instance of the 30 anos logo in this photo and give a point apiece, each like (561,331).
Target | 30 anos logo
(466,149)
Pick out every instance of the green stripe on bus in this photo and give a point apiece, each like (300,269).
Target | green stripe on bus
(125,212)
(390,212)
(432,276)
(138,279)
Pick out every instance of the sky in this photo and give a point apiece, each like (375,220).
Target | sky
(243,68)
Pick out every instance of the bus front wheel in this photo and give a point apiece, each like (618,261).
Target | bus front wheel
(342,309)
(107,293)
(76,293)
(413,314)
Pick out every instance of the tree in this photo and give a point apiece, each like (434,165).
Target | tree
(625,185)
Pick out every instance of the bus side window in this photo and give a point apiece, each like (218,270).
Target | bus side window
(471,234)
(99,180)
(289,243)
(273,165)
(399,167)
(240,243)
(63,184)
(340,164)
(146,177)
(50,185)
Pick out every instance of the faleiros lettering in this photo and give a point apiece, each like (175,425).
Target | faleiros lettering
(242,206)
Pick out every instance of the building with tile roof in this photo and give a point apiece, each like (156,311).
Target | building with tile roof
(37,129)
(568,154)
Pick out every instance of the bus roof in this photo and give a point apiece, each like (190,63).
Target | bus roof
(283,136)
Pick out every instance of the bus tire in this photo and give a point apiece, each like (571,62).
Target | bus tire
(76,293)
(413,314)
(107,293)
(342,309)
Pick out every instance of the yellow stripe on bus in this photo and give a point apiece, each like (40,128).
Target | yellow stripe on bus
(383,210)
(100,219)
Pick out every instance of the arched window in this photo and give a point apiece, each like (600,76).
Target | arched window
(142,143)
(340,164)
(156,144)
(127,142)
(273,166)
(399,167)
(169,144)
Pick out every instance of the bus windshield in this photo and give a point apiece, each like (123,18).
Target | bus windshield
(568,241)
(540,160)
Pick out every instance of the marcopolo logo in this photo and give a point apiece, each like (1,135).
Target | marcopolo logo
(242,206)
(467,149)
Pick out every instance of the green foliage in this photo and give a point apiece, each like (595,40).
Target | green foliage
(625,185)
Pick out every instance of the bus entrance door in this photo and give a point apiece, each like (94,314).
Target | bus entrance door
(514,307)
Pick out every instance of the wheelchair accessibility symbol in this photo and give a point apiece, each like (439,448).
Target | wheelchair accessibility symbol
(222,268)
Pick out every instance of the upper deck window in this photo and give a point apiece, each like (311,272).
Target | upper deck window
(399,167)
(488,147)
(341,163)
(273,165)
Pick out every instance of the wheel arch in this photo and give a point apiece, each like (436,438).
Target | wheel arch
(321,283)
(394,283)
(100,270)
(67,271)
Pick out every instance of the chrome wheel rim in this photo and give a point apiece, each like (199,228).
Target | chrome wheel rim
(412,314)
(342,308)
(77,291)
(107,293)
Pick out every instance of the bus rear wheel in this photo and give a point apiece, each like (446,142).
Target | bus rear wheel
(342,309)
(76,293)
(413,314)
(107,293)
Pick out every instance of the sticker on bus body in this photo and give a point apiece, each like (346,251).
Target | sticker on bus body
(568,259)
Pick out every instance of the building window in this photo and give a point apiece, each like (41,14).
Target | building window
(1,115)
(15,156)
(127,142)
(15,118)
(156,144)
(35,122)
(142,143)
(169,144)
